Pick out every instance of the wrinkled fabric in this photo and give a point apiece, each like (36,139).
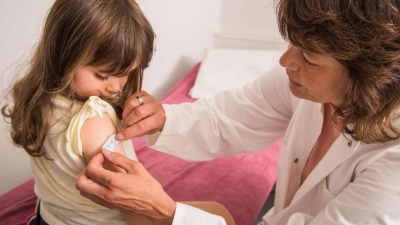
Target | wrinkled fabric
(55,178)
(355,183)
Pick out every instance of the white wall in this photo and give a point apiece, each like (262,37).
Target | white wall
(248,24)
(184,30)
(20,24)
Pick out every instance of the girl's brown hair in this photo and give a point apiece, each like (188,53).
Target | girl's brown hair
(112,33)
(363,35)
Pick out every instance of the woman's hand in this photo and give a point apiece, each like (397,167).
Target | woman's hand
(143,118)
(136,192)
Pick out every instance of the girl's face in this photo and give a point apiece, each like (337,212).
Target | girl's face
(318,78)
(91,81)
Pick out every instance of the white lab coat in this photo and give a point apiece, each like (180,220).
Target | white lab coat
(355,183)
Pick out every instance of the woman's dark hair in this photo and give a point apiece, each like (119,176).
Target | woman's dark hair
(113,33)
(364,36)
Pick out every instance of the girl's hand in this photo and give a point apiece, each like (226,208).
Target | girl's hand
(141,119)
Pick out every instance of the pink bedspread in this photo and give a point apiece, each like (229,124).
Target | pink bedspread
(242,183)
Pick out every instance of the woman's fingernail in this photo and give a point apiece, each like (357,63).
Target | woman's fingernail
(106,151)
(119,137)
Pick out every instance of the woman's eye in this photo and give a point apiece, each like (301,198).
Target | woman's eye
(101,77)
(308,62)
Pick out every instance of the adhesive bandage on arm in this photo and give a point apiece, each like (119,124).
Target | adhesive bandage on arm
(111,143)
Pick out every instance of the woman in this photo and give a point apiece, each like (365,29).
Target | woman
(335,103)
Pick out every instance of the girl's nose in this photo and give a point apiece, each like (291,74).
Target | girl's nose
(113,84)
(289,59)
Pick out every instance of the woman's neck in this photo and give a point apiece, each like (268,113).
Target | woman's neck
(329,124)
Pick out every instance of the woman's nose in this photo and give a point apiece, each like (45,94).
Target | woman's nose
(289,60)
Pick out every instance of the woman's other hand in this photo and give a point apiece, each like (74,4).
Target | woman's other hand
(143,114)
(135,192)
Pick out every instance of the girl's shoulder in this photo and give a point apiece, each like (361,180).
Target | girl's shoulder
(95,106)
(63,103)
(92,107)
(62,109)
(95,121)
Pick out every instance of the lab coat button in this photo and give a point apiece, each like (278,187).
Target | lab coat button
(296,160)
(349,143)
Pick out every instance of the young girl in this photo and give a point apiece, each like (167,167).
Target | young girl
(90,58)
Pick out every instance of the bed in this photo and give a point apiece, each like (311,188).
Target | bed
(242,183)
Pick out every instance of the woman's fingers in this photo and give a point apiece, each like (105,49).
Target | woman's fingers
(143,119)
(95,173)
(134,192)
(97,160)
(121,161)
(147,125)
(132,102)
(141,112)
(92,182)
(87,186)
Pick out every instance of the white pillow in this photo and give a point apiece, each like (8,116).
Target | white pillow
(223,69)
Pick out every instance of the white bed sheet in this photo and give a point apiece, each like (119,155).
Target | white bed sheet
(223,69)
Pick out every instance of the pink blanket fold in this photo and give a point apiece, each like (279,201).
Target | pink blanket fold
(242,183)
(18,204)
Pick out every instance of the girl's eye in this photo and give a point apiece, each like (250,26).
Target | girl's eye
(98,76)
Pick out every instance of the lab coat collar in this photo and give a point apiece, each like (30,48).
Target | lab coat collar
(340,151)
